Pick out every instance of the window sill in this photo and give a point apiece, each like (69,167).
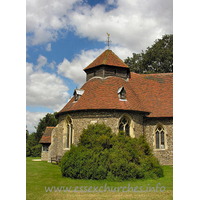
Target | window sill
(159,149)
(66,148)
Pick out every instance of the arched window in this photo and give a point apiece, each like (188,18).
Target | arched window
(160,137)
(124,125)
(68,133)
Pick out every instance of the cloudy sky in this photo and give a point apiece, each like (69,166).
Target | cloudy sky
(64,36)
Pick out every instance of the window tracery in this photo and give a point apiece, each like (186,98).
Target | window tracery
(160,137)
(124,125)
(68,135)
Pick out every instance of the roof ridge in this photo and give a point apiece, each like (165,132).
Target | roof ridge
(155,74)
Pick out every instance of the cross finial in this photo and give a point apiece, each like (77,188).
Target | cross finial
(108,41)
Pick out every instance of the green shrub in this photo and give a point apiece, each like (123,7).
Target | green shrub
(96,136)
(101,154)
(36,150)
(82,163)
(28,150)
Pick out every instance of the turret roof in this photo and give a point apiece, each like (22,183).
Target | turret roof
(107,58)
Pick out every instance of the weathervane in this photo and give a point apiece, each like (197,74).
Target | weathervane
(108,41)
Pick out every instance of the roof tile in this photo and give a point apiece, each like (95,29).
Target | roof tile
(107,58)
(46,137)
(151,93)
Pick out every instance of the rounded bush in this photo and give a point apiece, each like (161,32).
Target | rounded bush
(101,154)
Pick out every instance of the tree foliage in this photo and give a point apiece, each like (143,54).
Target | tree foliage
(48,120)
(33,148)
(156,59)
(27,134)
(100,154)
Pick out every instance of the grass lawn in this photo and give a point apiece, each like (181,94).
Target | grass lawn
(40,175)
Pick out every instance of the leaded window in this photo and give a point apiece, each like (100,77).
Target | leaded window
(124,125)
(69,134)
(160,138)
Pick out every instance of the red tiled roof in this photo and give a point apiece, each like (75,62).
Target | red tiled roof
(107,58)
(145,92)
(150,93)
(102,94)
(46,137)
(155,92)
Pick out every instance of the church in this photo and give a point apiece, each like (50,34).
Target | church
(138,104)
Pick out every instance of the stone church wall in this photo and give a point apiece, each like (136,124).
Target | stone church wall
(110,118)
(56,147)
(82,119)
(165,156)
(44,156)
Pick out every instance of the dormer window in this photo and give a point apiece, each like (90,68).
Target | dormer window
(122,93)
(77,94)
(76,97)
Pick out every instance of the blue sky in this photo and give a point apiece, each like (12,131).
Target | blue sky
(63,37)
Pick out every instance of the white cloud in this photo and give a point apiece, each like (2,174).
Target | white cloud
(52,64)
(111,2)
(32,119)
(48,47)
(121,52)
(42,61)
(43,88)
(46,90)
(29,69)
(44,19)
(134,24)
(74,69)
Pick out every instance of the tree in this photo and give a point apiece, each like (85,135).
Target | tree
(156,59)
(31,142)
(33,148)
(27,134)
(48,120)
